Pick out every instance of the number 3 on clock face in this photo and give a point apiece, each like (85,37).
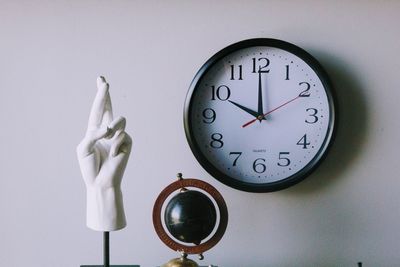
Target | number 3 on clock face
(260,115)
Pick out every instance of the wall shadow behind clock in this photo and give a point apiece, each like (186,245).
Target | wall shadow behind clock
(352,125)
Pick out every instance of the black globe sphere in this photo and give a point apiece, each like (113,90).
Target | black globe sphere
(190,216)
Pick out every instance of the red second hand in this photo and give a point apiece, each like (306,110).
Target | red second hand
(269,112)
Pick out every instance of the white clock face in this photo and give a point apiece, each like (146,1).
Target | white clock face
(258,116)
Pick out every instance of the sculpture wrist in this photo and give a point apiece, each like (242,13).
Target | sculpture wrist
(104,209)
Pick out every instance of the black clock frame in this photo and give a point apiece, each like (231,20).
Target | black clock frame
(311,166)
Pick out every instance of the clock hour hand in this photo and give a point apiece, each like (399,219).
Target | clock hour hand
(251,112)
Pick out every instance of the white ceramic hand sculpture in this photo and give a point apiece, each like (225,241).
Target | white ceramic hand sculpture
(103,154)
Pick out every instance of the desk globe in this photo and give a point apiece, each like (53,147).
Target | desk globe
(190,217)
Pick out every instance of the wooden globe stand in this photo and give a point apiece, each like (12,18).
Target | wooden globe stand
(185,249)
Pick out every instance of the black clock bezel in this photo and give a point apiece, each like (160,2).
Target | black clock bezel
(306,170)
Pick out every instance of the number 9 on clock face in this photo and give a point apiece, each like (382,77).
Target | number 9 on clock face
(259,115)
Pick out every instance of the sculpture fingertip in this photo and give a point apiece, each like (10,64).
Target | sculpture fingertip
(114,153)
(101,83)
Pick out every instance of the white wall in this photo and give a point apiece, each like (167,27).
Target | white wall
(50,55)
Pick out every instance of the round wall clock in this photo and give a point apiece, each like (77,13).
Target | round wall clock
(259,115)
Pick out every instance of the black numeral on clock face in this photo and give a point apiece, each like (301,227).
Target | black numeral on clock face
(284,161)
(237,156)
(313,114)
(303,142)
(222,92)
(259,165)
(209,115)
(262,65)
(306,92)
(287,73)
(239,72)
(216,140)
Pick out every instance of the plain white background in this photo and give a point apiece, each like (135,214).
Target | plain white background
(50,55)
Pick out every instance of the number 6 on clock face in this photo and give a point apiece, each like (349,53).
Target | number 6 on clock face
(259,115)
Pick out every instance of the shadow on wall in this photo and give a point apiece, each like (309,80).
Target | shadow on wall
(352,125)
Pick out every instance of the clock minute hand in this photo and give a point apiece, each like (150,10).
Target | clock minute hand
(251,112)
(260,99)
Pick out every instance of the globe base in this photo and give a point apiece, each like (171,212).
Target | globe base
(181,262)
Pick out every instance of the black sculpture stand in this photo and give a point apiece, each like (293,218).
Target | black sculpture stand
(106,254)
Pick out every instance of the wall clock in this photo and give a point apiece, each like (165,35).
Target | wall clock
(259,115)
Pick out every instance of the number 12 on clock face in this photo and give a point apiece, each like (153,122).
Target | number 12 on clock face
(260,115)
